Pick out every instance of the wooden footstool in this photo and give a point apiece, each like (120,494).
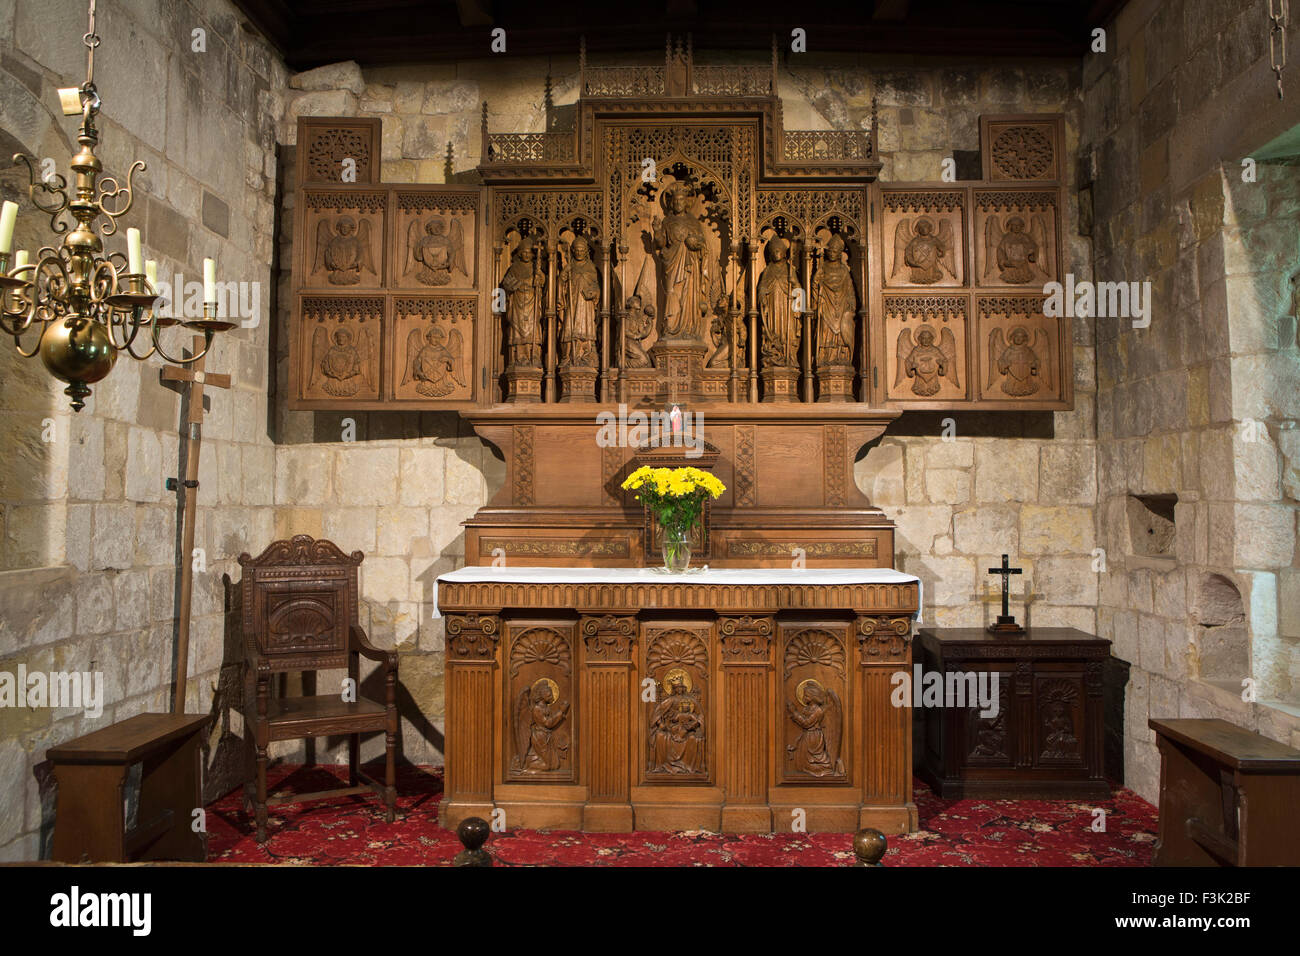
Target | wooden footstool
(90,819)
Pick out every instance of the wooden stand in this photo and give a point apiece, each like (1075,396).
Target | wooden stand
(90,819)
(1228,797)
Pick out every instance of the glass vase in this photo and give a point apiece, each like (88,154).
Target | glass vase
(677,551)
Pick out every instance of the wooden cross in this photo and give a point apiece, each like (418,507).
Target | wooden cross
(197,378)
(1006,623)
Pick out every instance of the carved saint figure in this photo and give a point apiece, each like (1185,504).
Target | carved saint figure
(639,318)
(433,360)
(1061,741)
(523,283)
(1018,256)
(677,727)
(342,367)
(1017,362)
(579,291)
(343,249)
(776,287)
(720,332)
(927,364)
(928,257)
(540,742)
(818,713)
(683,252)
(435,255)
(835,304)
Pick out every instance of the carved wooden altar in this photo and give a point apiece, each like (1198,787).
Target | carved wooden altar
(667,241)
(758,702)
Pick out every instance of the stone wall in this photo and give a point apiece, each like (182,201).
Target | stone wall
(1201,405)
(87,578)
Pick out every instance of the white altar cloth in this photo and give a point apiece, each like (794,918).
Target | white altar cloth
(738,577)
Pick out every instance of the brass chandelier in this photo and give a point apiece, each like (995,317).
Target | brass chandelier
(87,307)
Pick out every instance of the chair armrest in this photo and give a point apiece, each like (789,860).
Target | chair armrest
(254,659)
(361,644)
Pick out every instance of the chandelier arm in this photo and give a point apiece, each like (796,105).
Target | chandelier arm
(207,344)
(109,190)
(18,345)
(54,187)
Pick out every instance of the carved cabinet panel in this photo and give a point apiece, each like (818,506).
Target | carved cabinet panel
(541,713)
(677,723)
(341,343)
(814,712)
(924,237)
(928,343)
(1019,350)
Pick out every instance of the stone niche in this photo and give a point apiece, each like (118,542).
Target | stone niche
(1222,641)
(1151,525)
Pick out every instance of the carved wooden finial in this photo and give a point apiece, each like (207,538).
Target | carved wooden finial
(874,132)
(447,166)
(547,99)
(582,53)
(485,116)
(473,833)
(774,64)
(869,846)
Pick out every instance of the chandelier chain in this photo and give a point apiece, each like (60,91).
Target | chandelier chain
(1277,16)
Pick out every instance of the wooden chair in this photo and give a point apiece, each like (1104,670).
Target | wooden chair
(299,607)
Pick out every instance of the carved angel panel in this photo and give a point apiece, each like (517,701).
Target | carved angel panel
(676,722)
(926,347)
(340,342)
(924,238)
(1018,350)
(814,688)
(540,702)
(1015,238)
(343,244)
(434,341)
(434,239)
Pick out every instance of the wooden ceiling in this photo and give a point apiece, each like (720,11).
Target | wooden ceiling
(310,33)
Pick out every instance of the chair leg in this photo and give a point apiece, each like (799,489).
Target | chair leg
(390,776)
(261,795)
(354,758)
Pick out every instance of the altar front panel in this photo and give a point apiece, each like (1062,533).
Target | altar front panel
(640,705)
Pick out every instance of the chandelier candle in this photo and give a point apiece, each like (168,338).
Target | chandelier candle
(8,215)
(209,281)
(133,257)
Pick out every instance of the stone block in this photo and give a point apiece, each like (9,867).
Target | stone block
(1056,530)
(303,475)
(917,526)
(1064,580)
(986,529)
(1068,473)
(352,529)
(1265,535)
(1006,471)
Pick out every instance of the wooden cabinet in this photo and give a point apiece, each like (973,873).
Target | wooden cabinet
(1046,735)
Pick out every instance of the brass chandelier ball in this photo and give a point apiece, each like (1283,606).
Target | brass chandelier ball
(78,351)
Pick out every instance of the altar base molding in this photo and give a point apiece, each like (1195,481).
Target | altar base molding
(607,699)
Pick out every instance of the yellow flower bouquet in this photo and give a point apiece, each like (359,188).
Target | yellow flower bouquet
(676,497)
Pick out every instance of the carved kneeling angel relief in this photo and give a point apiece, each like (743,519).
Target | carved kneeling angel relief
(1022,367)
(1018,250)
(434,359)
(924,253)
(435,251)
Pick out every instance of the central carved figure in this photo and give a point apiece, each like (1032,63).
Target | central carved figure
(683,251)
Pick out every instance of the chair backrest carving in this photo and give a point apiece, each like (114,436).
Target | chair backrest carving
(299,599)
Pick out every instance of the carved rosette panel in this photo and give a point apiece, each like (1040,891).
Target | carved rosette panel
(342,239)
(883,638)
(1019,149)
(433,337)
(472,637)
(814,722)
(608,638)
(924,238)
(1017,349)
(1058,705)
(539,701)
(926,348)
(338,150)
(677,721)
(745,639)
(435,238)
(340,343)
(1016,237)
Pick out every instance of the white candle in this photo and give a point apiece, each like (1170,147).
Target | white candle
(20,259)
(209,280)
(8,215)
(133,257)
(151,273)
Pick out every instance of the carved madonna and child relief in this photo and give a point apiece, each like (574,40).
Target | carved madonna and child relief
(676,721)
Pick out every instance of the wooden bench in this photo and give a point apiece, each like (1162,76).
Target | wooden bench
(1228,797)
(90,818)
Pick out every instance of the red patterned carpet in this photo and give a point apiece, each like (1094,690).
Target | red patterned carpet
(953,833)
